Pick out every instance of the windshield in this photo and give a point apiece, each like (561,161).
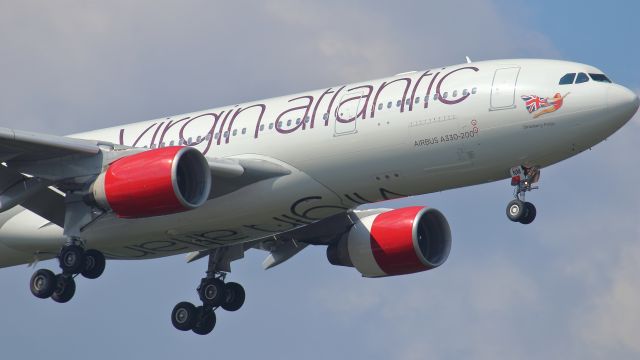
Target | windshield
(599,78)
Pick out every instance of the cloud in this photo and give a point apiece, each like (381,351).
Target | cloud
(562,288)
(610,322)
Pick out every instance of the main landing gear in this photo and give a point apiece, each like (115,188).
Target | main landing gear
(522,178)
(213,293)
(74,260)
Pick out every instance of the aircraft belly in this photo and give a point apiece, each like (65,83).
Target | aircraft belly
(259,210)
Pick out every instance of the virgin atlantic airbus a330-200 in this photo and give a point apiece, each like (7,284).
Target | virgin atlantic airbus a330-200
(284,173)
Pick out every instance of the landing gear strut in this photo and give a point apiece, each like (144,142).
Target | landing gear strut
(213,293)
(73,260)
(522,178)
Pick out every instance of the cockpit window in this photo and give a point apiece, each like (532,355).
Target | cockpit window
(582,77)
(600,78)
(567,79)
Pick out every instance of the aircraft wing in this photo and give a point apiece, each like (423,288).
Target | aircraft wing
(24,147)
(18,145)
(34,163)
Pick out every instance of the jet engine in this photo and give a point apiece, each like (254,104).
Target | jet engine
(155,182)
(395,242)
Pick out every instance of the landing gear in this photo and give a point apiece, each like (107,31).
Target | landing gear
(43,283)
(522,178)
(94,264)
(184,316)
(214,293)
(73,260)
(65,288)
(522,212)
(235,297)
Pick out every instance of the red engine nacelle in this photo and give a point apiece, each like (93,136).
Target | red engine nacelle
(155,182)
(395,242)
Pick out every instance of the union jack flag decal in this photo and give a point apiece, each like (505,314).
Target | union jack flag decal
(533,102)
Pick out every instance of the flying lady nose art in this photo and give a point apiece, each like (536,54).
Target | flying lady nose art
(539,106)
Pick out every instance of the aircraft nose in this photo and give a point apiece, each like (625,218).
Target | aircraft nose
(623,100)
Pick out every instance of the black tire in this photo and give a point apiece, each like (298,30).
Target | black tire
(212,291)
(235,297)
(206,321)
(184,316)
(43,283)
(65,288)
(530,213)
(515,210)
(71,259)
(94,264)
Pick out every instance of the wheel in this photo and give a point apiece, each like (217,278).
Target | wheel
(43,283)
(184,316)
(212,291)
(235,297)
(94,264)
(205,322)
(71,259)
(530,213)
(65,288)
(515,210)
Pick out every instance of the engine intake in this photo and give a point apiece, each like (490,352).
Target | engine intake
(395,242)
(155,182)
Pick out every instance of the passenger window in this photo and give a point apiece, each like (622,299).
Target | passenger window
(455,93)
(582,77)
(262,127)
(216,136)
(445,95)
(380,106)
(324,117)
(435,96)
(567,79)
(465,92)
(408,102)
(235,132)
(244,131)
(289,122)
(306,119)
(398,103)
(389,105)
(600,78)
(198,138)
(270,126)
(189,141)
(417,99)
(171,143)
(474,90)
(226,134)
(298,121)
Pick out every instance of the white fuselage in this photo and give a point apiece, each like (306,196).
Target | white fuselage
(346,146)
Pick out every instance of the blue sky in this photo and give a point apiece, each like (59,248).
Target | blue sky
(566,286)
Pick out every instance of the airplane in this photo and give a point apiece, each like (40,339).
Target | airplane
(284,173)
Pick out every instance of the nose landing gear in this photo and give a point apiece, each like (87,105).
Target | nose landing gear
(522,178)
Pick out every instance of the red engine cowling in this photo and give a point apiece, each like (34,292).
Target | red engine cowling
(155,182)
(396,242)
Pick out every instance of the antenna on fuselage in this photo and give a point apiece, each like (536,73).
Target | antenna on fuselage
(468,60)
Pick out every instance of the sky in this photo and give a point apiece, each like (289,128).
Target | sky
(566,286)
